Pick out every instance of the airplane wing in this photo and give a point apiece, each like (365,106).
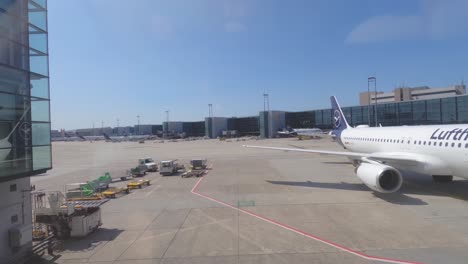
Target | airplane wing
(400,157)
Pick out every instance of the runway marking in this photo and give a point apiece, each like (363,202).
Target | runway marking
(154,189)
(298,231)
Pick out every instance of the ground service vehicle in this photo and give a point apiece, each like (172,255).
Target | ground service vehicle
(149,163)
(198,164)
(169,167)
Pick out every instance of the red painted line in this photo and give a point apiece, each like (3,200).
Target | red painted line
(298,231)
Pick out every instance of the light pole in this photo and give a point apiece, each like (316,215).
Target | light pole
(210,110)
(166,129)
(118,125)
(102,127)
(138,122)
(266,111)
(368,102)
(370,80)
(266,102)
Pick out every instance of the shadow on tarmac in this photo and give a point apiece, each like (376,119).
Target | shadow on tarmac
(338,162)
(179,173)
(394,198)
(91,241)
(414,183)
(95,239)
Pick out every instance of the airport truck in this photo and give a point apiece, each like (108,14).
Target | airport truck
(138,171)
(169,167)
(149,163)
(67,218)
(198,164)
(197,168)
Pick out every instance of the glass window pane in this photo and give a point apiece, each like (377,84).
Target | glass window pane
(13,7)
(365,114)
(12,107)
(318,117)
(38,19)
(13,54)
(327,118)
(404,113)
(347,112)
(40,111)
(13,28)
(41,157)
(448,107)
(13,81)
(38,42)
(41,3)
(39,86)
(419,112)
(356,113)
(462,109)
(15,135)
(298,119)
(39,65)
(40,134)
(433,110)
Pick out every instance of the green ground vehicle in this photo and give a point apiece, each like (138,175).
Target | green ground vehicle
(101,183)
(88,190)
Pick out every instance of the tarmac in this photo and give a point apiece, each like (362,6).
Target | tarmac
(258,206)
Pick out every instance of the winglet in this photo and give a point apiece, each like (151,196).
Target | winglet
(339,120)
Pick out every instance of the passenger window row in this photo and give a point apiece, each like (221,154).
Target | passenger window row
(415,142)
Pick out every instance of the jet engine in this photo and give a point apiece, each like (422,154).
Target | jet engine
(380,178)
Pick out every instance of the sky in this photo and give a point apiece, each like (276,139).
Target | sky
(115,59)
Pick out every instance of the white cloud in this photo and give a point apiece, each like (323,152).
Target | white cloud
(381,28)
(436,19)
(234,27)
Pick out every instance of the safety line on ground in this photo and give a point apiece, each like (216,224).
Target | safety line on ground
(298,231)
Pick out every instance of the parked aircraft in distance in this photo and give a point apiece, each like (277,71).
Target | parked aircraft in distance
(128,138)
(381,153)
(308,132)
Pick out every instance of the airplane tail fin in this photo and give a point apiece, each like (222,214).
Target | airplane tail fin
(80,136)
(106,136)
(338,119)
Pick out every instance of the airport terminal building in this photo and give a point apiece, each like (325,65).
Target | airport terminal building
(442,110)
(25,148)
(410,94)
(442,106)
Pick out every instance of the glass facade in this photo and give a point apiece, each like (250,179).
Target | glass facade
(25,147)
(194,129)
(449,110)
(244,125)
(263,122)
(209,127)
(304,119)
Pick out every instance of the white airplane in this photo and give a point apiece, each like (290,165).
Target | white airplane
(309,132)
(381,153)
(116,139)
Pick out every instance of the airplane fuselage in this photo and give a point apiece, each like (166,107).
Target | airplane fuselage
(444,148)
